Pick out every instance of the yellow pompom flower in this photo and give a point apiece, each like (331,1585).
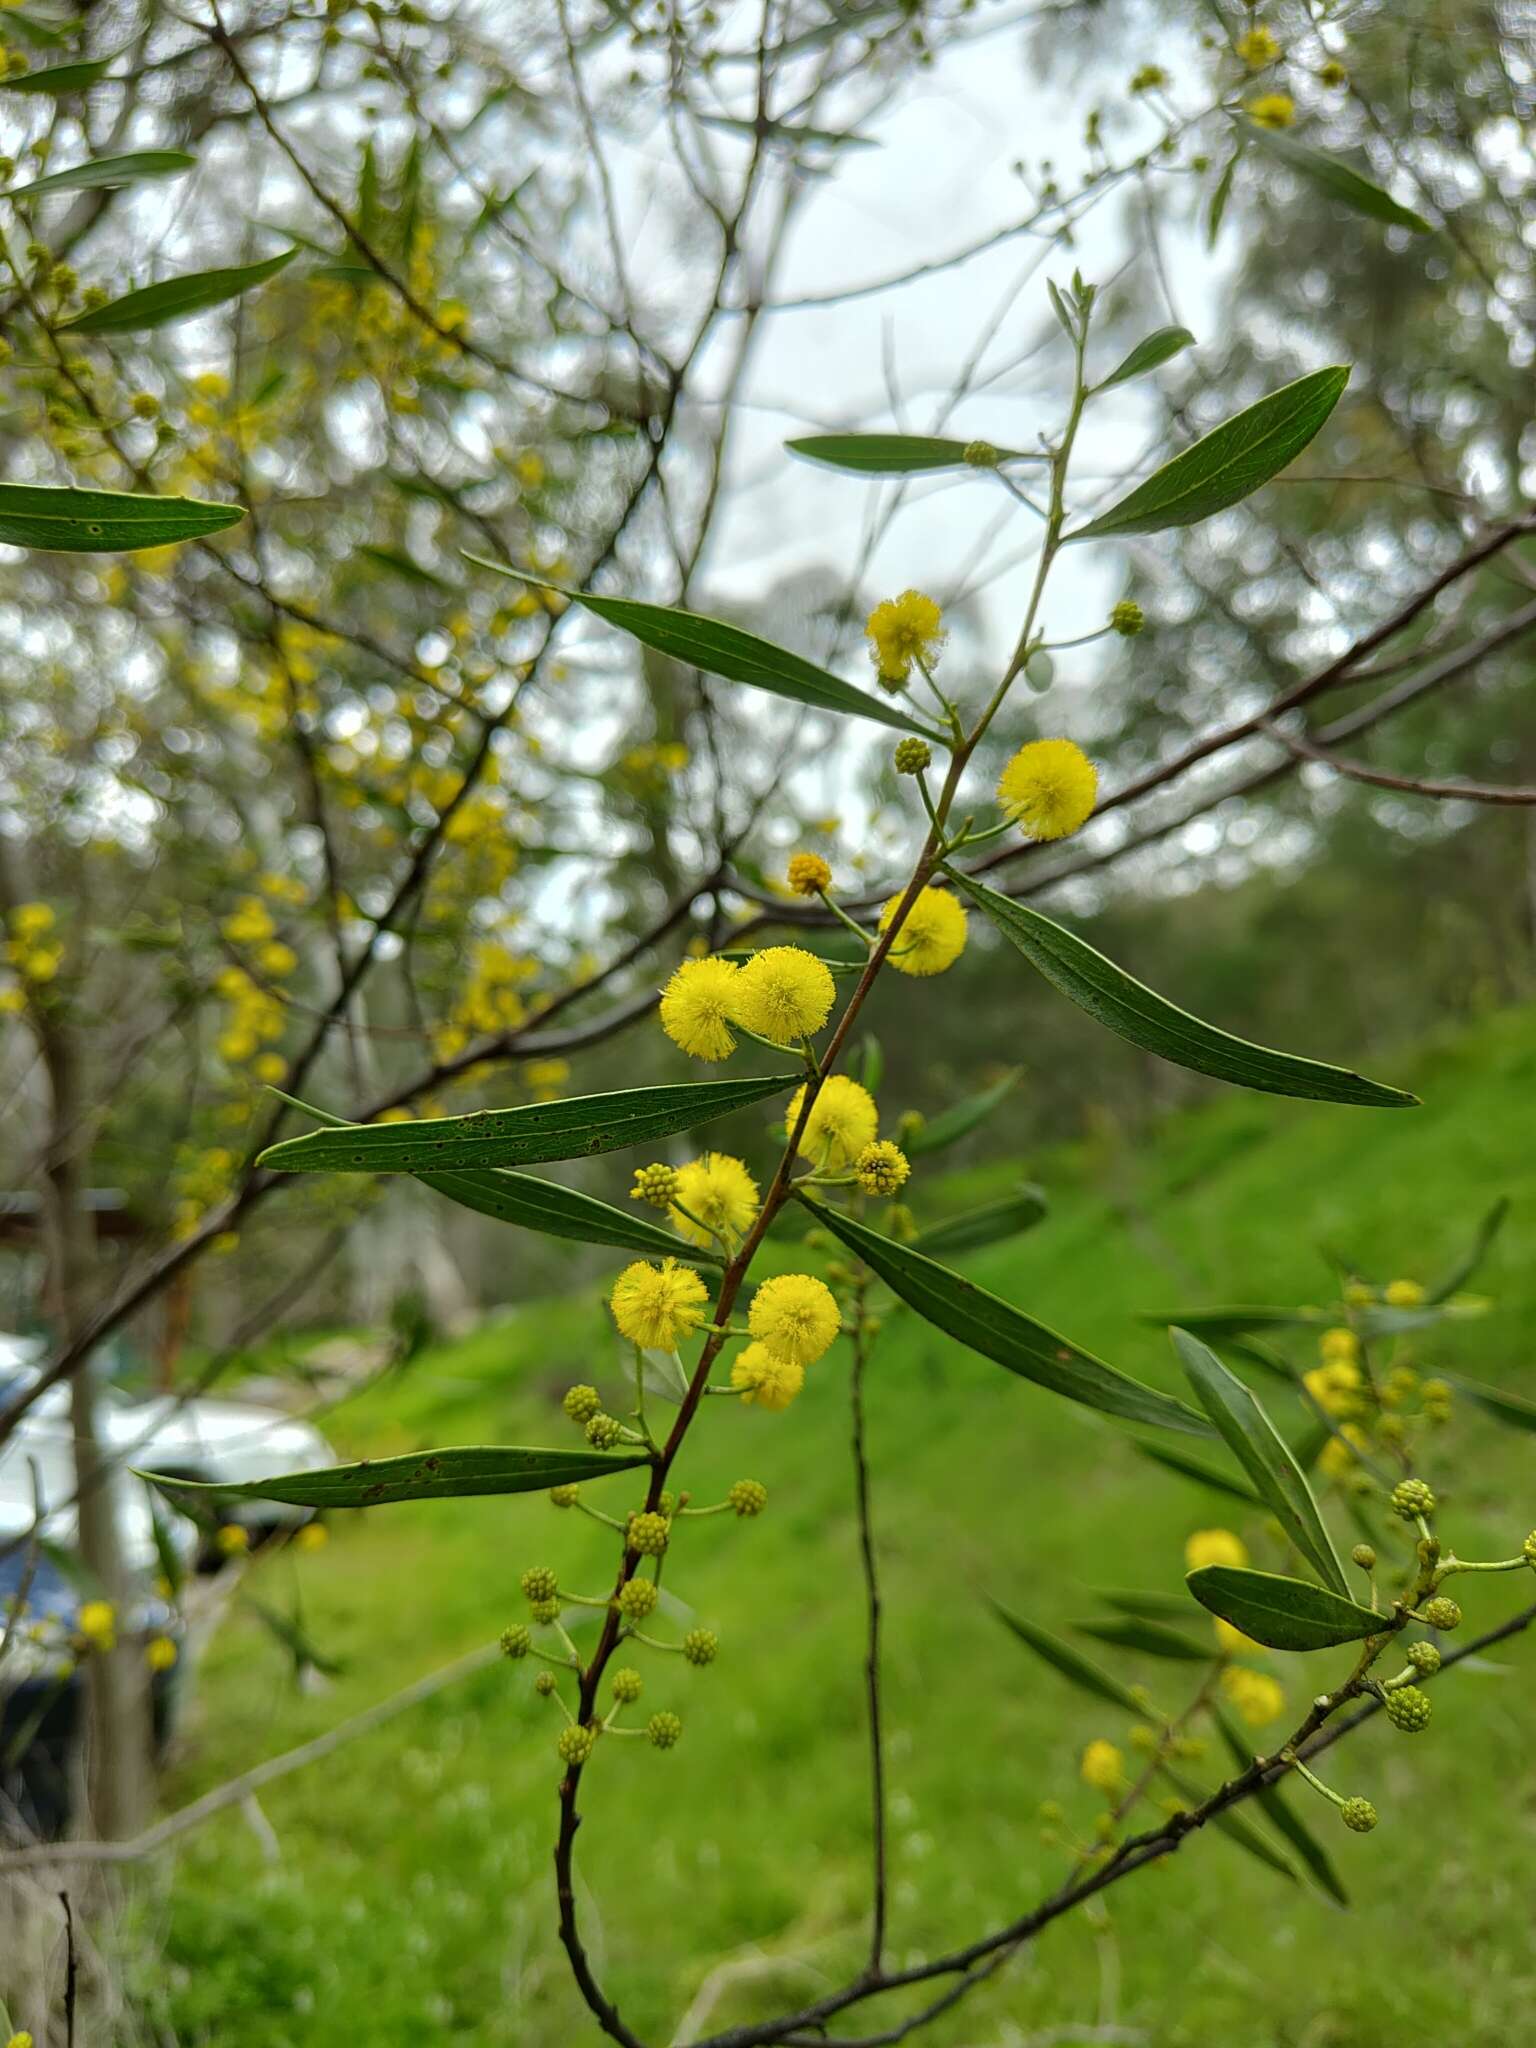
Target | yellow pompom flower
(843,1120)
(795,1316)
(1232,1642)
(1257,1697)
(767,1381)
(696,1008)
(1335,1386)
(32,921)
(932,935)
(97,1622)
(1214,1546)
(720,1192)
(655,1305)
(234,1540)
(1339,1343)
(808,874)
(21,2040)
(1102,1767)
(313,1536)
(160,1653)
(882,1169)
(1258,48)
(1272,110)
(901,631)
(783,993)
(1049,789)
(1403,1294)
(1337,1459)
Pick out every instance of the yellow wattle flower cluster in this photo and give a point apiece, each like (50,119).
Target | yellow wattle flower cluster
(782,993)
(32,949)
(902,632)
(1102,1767)
(1049,789)
(1214,1546)
(715,1197)
(793,1319)
(654,1306)
(843,1120)
(932,935)
(1258,1697)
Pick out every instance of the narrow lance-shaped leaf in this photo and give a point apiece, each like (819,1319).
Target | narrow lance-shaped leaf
(1147,355)
(177,298)
(1282,1818)
(1282,1613)
(1150,1637)
(722,650)
(1229,464)
(1477,1251)
(62,520)
(541,1205)
(106,173)
(1187,1466)
(1074,1667)
(60,78)
(1003,1333)
(465,1470)
(974,1228)
(961,1118)
(574,1128)
(1135,1012)
(893,454)
(1335,178)
(1511,1409)
(1235,1826)
(1263,1454)
(1236,1322)
(1150,1604)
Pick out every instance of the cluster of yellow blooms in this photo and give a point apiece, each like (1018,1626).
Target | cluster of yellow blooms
(32,949)
(782,993)
(792,1321)
(255,1020)
(905,632)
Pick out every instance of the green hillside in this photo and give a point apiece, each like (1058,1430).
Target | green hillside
(410,1899)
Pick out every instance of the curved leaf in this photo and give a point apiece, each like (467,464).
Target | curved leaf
(1512,1409)
(1235,1826)
(890,454)
(1282,1613)
(1062,1657)
(1335,178)
(1236,1322)
(574,1128)
(1147,355)
(1477,1251)
(1278,1812)
(1132,1011)
(1150,1637)
(973,1228)
(464,1470)
(1150,1605)
(1003,1333)
(961,1118)
(177,298)
(95,522)
(106,173)
(1263,1455)
(60,78)
(1190,1467)
(722,650)
(1229,464)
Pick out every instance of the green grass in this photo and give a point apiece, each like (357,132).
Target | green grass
(412,1898)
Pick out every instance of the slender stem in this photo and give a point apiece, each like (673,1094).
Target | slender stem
(872,1637)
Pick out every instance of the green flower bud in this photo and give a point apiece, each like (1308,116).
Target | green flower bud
(544,1684)
(545,1611)
(1408,1708)
(667,1505)
(663,1730)
(1424,1658)
(517,1640)
(981,455)
(656,1185)
(1358,1815)
(912,756)
(603,1432)
(1364,1556)
(648,1534)
(700,1645)
(539,1584)
(1528,1550)
(564,1496)
(576,1743)
(1441,1613)
(581,1403)
(637,1599)
(748,1497)
(1127,618)
(1411,1498)
(627,1686)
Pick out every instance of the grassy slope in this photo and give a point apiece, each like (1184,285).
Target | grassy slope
(412,1898)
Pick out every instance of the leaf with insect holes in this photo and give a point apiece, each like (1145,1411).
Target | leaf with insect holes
(1135,1012)
(1005,1334)
(723,650)
(1282,1613)
(1263,1454)
(1229,464)
(576,1127)
(465,1471)
(61,520)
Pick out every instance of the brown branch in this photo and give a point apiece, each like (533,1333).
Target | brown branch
(1306,748)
